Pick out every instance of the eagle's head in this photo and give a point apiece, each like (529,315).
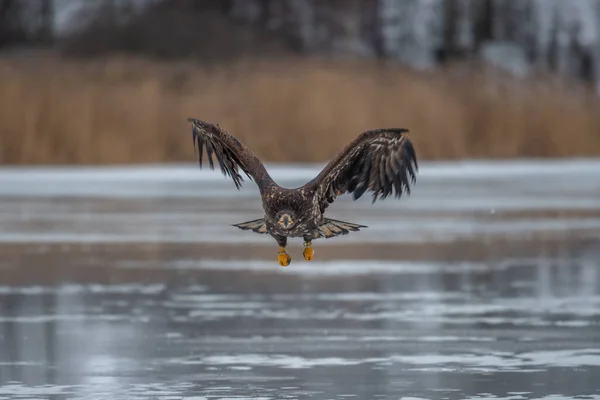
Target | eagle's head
(286,219)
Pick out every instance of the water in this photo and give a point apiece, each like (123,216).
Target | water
(130,283)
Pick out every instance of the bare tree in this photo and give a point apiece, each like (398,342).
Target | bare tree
(11,27)
(26,22)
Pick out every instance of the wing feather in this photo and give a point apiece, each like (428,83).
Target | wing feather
(382,161)
(231,155)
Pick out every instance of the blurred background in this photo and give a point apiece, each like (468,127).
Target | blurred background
(114,81)
(127,281)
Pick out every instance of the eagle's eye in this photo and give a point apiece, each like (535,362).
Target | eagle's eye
(286,221)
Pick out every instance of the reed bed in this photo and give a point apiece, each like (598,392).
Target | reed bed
(130,110)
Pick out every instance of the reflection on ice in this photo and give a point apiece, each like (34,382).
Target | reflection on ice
(122,339)
(478,361)
(71,289)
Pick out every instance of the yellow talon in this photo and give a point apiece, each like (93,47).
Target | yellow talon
(283,257)
(308,251)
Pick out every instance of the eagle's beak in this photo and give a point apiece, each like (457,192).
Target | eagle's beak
(286,221)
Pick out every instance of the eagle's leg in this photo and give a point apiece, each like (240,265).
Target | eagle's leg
(283,258)
(308,252)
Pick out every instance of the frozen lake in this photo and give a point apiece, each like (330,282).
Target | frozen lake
(130,283)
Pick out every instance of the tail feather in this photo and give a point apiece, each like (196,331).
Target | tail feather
(332,228)
(256,225)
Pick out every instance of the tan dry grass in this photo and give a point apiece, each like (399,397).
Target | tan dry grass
(122,110)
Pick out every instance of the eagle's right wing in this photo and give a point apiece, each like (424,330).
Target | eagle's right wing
(230,153)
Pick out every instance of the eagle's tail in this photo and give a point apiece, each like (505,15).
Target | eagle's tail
(332,228)
(256,225)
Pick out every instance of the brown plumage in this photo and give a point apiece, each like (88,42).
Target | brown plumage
(381,161)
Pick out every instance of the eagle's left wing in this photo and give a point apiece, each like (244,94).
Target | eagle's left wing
(381,160)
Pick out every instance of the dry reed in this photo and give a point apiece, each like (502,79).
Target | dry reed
(124,110)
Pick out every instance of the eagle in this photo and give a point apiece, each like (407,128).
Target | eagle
(381,161)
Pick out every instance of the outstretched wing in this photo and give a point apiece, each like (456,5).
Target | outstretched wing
(382,161)
(230,153)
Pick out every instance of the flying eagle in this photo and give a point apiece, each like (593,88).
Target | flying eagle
(382,161)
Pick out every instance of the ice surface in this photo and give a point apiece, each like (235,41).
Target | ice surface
(181,203)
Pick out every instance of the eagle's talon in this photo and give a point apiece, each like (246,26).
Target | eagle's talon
(283,258)
(308,252)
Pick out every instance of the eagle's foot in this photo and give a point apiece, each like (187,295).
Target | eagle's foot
(308,252)
(283,258)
